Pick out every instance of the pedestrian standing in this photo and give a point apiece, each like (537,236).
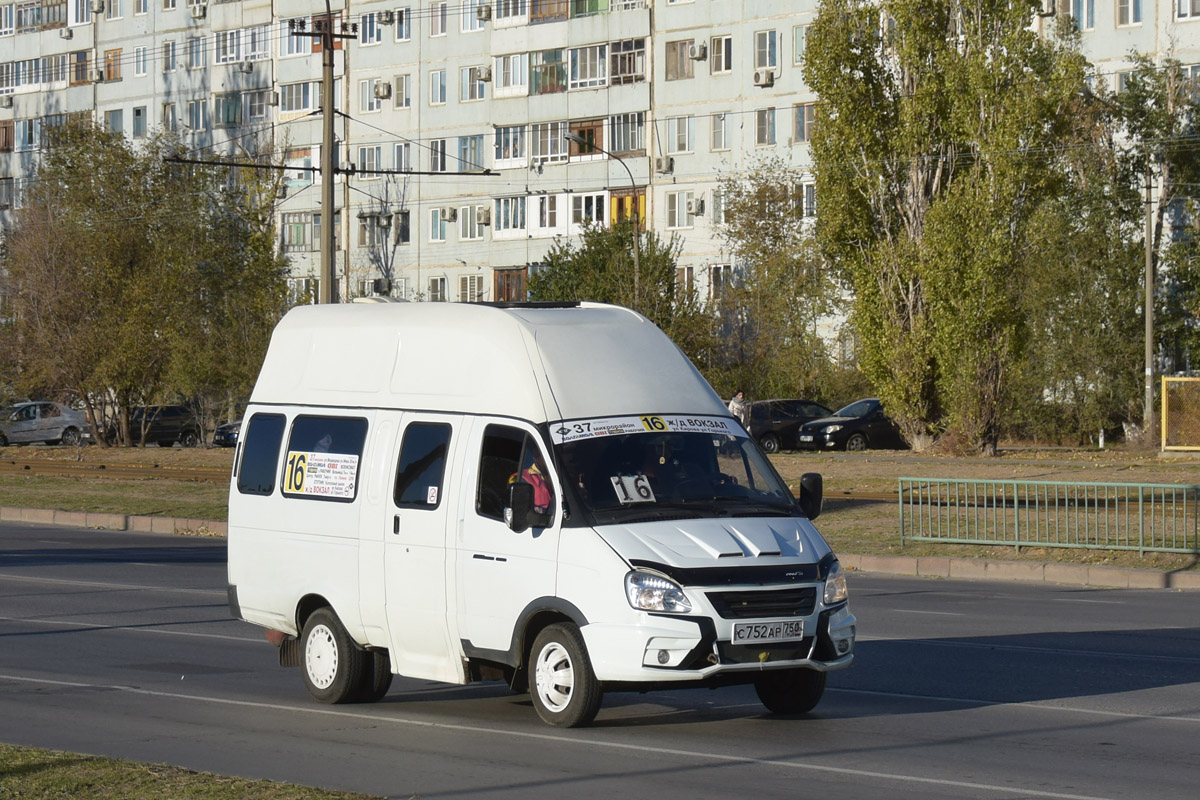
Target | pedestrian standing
(740,409)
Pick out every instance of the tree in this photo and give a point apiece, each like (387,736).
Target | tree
(932,154)
(136,280)
(768,314)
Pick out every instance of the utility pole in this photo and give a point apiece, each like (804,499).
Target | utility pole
(1148,407)
(324,32)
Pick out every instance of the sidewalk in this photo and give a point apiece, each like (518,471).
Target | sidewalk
(973,569)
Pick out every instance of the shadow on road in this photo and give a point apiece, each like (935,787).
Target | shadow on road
(208,553)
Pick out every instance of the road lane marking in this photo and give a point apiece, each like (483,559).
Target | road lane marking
(939,613)
(591,743)
(98,584)
(1080,600)
(1054,651)
(93,626)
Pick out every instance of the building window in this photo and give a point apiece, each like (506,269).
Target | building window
(294,44)
(470,84)
(437,225)
(680,136)
(586,208)
(589,66)
(547,211)
(437,155)
(547,10)
(370,159)
(469,229)
(1084,12)
(509,214)
(337,231)
(256,105)
(256,41)
(1129,12)
(510,146)
(810,199)
(196,115)
(139,61)
(371,234)
(509,285)
(720,277)
(766,54)
(510,11)
(112,65)
(718,207)
(677,210)
(720,131)
(79,62)
(549,146)
(627,132)
(228,110)
(402,91)
(8,28)
(367,101)
(437,87)
(685,281)
(628,61)
(470,15)
(548,72)
(592,132)
(170,117)
(470,153)
(437,19)
(195,53)
(800,41)
(296,97)
(806,117)
(470,288)
(113,9)
(403,24)
(403,156)
(511,75)
(295,232)
(679,63)
(401,223)
(628,203)
(584,8)
(168,56)
(437,288)
(228,47)
(139,122)
(764,126)
(720,60)
(370,32)
(114,120)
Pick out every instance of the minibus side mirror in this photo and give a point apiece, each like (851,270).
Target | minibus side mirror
(812,494)
(520,506)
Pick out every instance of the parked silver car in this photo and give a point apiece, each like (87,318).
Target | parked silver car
(25,423)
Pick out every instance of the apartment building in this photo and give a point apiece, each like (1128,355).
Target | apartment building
(462,120)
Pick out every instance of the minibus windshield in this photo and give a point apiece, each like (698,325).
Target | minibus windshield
(645,470)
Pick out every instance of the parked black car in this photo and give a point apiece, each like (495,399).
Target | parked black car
(165,425)
(860,425)
(776,423)
(227,435)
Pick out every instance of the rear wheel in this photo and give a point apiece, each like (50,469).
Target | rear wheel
(790,691)
(770,443)
(856,443)
(71,437)
(190,439)
(333,664)
(564,689)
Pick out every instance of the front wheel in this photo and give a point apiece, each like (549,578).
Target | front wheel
(856,443)
(3,440)
(334,667)
(565,691)
(790,691)
(71,437)
(770,443)
(189,439)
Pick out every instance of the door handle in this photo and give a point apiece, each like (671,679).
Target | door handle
(396,523)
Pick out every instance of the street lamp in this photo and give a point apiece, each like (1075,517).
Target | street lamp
(571,136)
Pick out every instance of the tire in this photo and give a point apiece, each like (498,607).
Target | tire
(856,443)
(71,437)
(189,439)
(377,677)
(3,440)
(564,689)
(790,691)
(333,664)
(770,443)
(165,442)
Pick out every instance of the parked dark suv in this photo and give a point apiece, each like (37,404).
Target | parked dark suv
(776,423)
(166,425)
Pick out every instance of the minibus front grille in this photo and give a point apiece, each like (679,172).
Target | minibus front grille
(798,602)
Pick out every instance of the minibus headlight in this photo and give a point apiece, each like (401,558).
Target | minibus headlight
(835,585)
(648,592)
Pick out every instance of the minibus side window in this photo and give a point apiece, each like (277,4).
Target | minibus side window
(422,465)
(509,455)
(323,458)
(260,454)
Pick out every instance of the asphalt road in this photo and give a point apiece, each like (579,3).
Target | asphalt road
(119,644)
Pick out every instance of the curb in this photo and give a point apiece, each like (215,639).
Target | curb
(973,569)
(1026,571)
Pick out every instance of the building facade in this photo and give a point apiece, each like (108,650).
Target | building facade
(462,121)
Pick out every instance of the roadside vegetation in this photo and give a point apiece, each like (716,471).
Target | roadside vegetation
(30,773)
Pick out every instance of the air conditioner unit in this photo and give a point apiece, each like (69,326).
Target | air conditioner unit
(1047,9)
(97,6)
(272,98)
(664,165)
(6,101)
(381,286)
(483,215)
(199,12)
(484,73)
(96,75)
(246,66)
(764,77)
(383,90)
(483,13)
(448,214)
(65,33)
(386,17)
(695,207)
(698,52)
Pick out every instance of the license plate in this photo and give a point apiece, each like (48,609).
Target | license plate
(779,631)
(805,437)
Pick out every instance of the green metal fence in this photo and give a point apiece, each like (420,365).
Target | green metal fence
(1145,517)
